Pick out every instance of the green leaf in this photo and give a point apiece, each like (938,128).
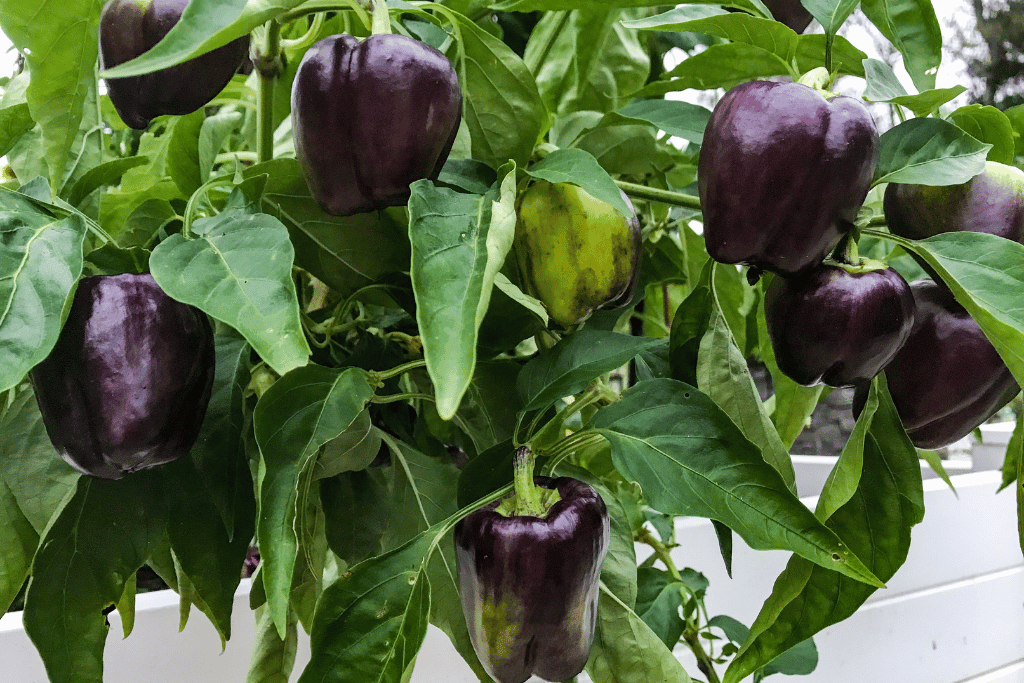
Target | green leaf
(580,168)
(989,125)
(60,47)
(238,270)
(986,275)
(846,57)
(1016,116)
(1020,500)
(37,476)
(928,152)
(876,523)
(680,119)
(352,450)
(212,135)
(15,121)
(40,263)
(912,27)
(357,506)
(690,459)
(183,152)
(208,554)
(344,252)
(298,414)
(831,14)
(18,541)
(722,65)
(571,364)
(273,657)
(626,650)
(723,375)
(662,616)
(884,86)
(370,623)
(102,536)
(459,242)
(219,451)
(771,36)
(675,18)
(498,89)
(1012,460)
(203,26)
(108,173)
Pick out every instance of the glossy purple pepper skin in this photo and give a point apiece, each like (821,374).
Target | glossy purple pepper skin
(130,27)
(370,117)
(948,378)
(127,385)
(782,173)
(529,586)
(835,327)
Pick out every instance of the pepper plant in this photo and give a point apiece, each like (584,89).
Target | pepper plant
(376,372)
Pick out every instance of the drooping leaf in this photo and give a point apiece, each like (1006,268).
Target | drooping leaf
(298,414)
(40,263)
(459,242)
(626,650)
(723,375)
(18,541)
(884,86)
(876,523)
(273,657)
(690,459)
(238,270)
(370,623)
(680,119)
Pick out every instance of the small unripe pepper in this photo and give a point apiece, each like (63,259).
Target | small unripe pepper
(127,385)
(948,378)
(782,173)
(129,28)
(370,117)
(835,326)
(575,252)
(529,584)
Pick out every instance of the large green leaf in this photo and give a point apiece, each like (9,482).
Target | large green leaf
(986,275)
(273,657)
(370,623)
(502,105)
(300,413)
(570,365)
(831,14)
(690,459)
(912,27)
(722,65)
(771,36)
(680,119)
(626,650)
(875,522)
(238,270)
(59,40)
(459,242)
(346,252)
(40,263)
(928,152)
(103,535)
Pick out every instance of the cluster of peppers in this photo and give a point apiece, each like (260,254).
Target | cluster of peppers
(804,159)
(370,117)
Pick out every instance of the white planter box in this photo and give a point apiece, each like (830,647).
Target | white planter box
(954,613)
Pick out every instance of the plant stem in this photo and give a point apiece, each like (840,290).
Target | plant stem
(690,635)
(657,195)
(399,369)
(391,398)
(267,64)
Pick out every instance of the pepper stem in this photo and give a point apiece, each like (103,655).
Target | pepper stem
(528,495)
(381,18)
